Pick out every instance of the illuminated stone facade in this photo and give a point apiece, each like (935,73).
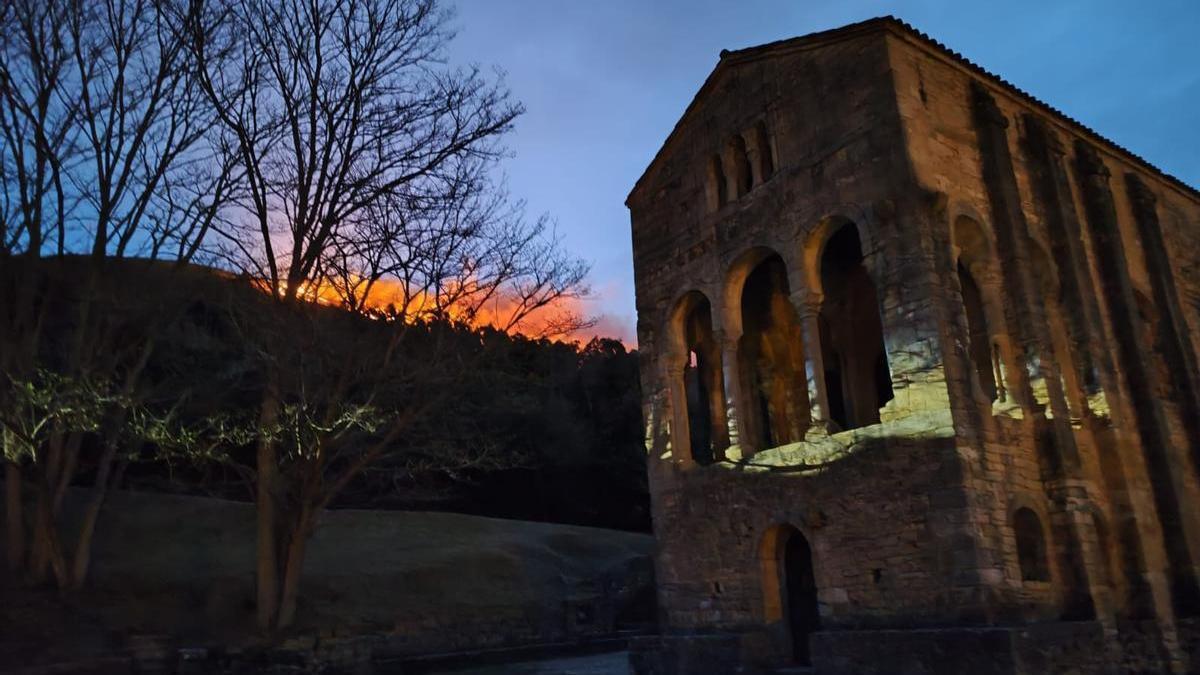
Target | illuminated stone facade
(916,354)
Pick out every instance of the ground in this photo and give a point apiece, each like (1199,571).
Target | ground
(614,663)
(429,582)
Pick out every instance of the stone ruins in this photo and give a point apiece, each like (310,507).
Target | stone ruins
(920,388)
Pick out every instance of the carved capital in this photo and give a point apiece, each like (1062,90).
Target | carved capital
(984,105)
(807,303)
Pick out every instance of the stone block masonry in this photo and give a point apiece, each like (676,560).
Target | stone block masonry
(920,388)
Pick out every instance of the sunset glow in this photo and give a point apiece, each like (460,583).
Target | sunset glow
(497,312)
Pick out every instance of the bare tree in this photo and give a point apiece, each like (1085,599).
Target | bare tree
(367,164)
(106,153)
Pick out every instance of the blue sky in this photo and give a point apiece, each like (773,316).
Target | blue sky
(604,81)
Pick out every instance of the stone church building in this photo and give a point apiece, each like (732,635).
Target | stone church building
(920,382)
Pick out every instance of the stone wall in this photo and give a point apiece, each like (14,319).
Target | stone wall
(879,558)
(1090,289)
(1032,457)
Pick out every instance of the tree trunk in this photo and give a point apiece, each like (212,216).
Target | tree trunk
(74,441)
(47,554)
(15,518)
(43,528)
(267,571)
(45,468)
(87,530)
(293,566)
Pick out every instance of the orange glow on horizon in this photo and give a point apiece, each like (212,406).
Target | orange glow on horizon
(495,312)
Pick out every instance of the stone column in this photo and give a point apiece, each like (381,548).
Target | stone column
(680,434)
(734,423)
(808,308)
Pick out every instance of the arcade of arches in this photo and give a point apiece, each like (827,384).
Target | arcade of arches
(775,406)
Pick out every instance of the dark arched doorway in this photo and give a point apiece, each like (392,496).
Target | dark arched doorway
(789,591)
(801,588)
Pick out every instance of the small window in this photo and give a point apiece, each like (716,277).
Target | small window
(979,345)
(766,158)
(1031,546)
(716,183)
(743,174)
(703,386)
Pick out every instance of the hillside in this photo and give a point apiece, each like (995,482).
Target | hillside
(433,581)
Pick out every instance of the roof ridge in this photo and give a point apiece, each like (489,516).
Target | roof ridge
(1021,93)
(730,56)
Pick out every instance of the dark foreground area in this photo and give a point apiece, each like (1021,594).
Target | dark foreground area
(177,574)
(613,663)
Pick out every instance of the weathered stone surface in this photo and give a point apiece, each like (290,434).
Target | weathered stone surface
(893,308)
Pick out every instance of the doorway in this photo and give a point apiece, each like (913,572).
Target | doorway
(789,592)
(801,599)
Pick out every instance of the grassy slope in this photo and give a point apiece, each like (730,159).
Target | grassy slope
(184,565)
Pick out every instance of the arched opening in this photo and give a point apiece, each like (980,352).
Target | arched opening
(979,340)
(790,588)
(857,378)
(717,185)
(973,260)
(766,158)
(803,614)
(1031,545)
(743,175)
(699,417)
(703,383)
(770,357)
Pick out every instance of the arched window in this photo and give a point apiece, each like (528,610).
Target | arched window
(770,356)
(1031,546)
(766,158)
(857,378)
(703,386)
(716,183)
(743,175)
(979,340)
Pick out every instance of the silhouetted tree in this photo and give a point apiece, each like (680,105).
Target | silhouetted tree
(105,153)
(366,164)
